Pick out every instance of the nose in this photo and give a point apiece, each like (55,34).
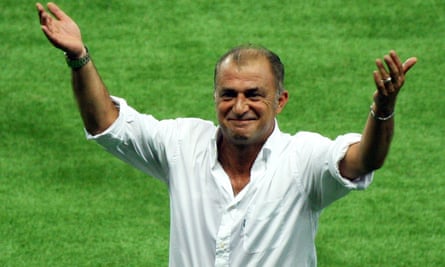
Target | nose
(241,106)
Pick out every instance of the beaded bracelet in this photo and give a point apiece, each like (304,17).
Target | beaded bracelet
(380,118)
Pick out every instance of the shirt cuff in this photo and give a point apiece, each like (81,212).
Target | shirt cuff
(339,149)
(122,106)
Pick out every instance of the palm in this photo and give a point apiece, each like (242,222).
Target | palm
(387,92)
(60,30)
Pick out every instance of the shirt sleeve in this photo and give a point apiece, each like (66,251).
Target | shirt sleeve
(337,152)
(139,140)
(327,183)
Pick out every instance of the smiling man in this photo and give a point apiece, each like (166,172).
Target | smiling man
(242,193)
(248,97)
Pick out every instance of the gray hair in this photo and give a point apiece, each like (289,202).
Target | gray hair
(244,53)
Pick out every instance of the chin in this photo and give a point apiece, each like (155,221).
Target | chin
(243,140)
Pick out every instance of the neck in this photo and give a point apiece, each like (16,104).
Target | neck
(237,159)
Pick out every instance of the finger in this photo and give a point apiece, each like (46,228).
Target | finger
(41,11)
(392,66)
(45,19)
(381,68)
(383,72)
(396,60)
(409,63)
(380,85)
(56,11)
(40,8)
(387,78)
(378,78)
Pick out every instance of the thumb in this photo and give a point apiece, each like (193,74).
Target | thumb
(408,64)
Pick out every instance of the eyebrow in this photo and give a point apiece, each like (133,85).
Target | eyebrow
(250,90)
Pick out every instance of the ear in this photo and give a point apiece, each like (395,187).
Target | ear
(282,100)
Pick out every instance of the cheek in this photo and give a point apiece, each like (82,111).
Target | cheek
(266,107)
(221,109)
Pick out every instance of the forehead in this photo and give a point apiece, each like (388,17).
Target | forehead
(253,70)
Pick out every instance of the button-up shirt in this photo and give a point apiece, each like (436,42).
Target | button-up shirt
(271,222)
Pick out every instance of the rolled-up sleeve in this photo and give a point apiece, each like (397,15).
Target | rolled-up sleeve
(328,183)
(337,153)
(138,139)
(122,106)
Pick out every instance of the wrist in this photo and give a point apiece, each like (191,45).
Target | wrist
(78,61)
(77,54)
(381,113)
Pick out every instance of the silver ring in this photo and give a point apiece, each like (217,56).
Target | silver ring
(387,80)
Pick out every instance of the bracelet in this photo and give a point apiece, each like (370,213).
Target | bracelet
(380,118)
(79,62)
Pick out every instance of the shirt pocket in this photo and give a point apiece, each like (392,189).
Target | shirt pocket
(263,226)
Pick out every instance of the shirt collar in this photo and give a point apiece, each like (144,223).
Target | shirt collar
(272,144)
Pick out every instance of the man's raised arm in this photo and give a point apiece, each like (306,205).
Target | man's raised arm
(97,110)
(370,153)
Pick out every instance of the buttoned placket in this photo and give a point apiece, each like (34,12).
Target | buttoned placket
(223,237)
(229,219)
(233,215)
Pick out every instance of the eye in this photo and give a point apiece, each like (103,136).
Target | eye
(254,95)
(227,94)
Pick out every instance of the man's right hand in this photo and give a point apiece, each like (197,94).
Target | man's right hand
(61,30)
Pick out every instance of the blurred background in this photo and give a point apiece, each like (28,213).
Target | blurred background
(66,202)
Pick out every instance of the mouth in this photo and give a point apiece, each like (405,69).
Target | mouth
(246,119)
(240,122)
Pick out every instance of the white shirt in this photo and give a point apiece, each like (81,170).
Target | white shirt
(271,222)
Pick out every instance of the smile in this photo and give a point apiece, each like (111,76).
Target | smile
(240,123)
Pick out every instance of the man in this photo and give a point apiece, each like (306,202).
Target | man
(242,193)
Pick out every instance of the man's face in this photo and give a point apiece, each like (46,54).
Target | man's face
(247,101)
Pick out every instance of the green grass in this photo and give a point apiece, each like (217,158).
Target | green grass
(65,202)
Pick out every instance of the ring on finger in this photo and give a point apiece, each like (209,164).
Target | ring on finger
(387,80)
